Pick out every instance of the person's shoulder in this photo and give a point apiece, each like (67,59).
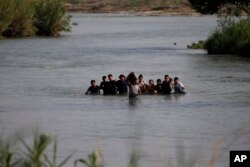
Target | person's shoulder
(181,84)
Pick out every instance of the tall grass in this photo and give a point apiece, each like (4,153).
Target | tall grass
(7,154)
(21,18)
(94,160)
(230,38)
(6,14)
(50,17)
(34,155)
(20,153)
(21,24)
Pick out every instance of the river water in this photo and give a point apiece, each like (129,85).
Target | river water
(43,80)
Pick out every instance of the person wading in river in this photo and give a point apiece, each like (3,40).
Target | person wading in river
(93,89)
(134,89)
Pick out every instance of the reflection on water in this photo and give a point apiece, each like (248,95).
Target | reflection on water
(133,102)
(43,81)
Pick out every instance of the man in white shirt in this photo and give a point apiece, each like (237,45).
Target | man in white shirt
(178,86)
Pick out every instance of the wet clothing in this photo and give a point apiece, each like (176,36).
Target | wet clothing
(112,87)
(142,86)
(179,88)
(122,86)
(166,87)
(93,90)
(104,87)
(134,90)
(150,89)
(158,88)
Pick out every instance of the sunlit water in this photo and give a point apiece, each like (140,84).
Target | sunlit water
(43,80)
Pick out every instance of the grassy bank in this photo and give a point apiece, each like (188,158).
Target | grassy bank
(22,18)
(230,37)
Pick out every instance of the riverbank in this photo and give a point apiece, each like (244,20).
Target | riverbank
(143,13)
(138,8)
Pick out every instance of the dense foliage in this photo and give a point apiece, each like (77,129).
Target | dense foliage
(50,17)
(21,18)
(213,6)
(230,38)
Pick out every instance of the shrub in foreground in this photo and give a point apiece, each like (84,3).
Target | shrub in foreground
(15,151)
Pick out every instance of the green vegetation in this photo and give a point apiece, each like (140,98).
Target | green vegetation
(50,17)
(22,18)
(198,45)
(16,152)
(17,18)
(230,38)
(92,161)
(214,6)
(30,156)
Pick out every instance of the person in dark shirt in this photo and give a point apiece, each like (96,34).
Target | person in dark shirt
(104,85)
(167,85)
(122,85)
(111,85)
(158,86)
(93,89)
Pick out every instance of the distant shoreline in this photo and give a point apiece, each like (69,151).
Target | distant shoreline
(138,13)
(171,10)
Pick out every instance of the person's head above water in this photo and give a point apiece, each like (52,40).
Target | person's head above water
(110,77)
(131,77)
(122,77)
(104,78)
(92,82)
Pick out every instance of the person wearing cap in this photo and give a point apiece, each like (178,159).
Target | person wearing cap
(122,85)
(93,89)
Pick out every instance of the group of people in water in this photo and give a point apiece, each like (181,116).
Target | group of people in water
(134,86)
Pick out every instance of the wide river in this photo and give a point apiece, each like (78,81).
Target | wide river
(43,80)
